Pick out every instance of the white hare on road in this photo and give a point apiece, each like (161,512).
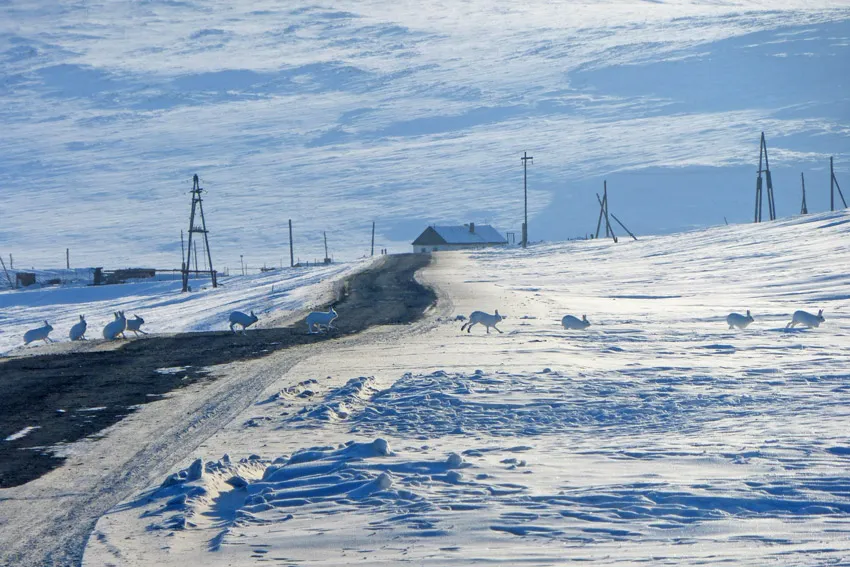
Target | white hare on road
(480,317)
(245,321)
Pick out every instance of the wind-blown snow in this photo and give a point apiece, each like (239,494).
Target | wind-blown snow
(402,113)
(658,435)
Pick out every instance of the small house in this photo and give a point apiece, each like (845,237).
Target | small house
(437,238)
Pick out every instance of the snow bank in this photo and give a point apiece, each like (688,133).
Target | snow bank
(164,308)
(658,435)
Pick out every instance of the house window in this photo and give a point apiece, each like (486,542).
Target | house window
(424,250)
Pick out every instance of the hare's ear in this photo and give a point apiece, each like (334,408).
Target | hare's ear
(46,323)
(748,312)
(820,312)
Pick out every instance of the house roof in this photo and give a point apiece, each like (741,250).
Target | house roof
(483,234)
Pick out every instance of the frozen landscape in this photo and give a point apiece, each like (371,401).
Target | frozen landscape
(657,435)
(335,115)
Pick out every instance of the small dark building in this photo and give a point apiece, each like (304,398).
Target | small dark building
(24,279)
(436,238)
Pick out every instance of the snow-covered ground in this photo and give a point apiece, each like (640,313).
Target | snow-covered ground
(656,436)
(161,304)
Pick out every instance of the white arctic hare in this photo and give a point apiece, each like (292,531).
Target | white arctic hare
(239,318)
(135,325)
(78,331)
(320,319)
(738,320)
(806,319)
(38,334)
(574,323)
(116,327)
(485,319)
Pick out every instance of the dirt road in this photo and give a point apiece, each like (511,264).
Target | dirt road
(72,396)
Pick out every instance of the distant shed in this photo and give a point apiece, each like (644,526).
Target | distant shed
(24,279)
(437,238)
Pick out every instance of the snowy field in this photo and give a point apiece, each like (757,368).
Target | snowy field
(340,113)
(271,295)
(657,436)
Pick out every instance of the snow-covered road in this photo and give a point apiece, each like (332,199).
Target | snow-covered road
(658,435)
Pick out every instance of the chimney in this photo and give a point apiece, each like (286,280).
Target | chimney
(472,227)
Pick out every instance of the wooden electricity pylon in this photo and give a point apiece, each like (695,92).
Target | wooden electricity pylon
(833,184)
(609,230)
(771,207)
(197,203)
(804,210)
(603,212)
(525,159)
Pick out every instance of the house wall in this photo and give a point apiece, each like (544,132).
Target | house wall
(446,247)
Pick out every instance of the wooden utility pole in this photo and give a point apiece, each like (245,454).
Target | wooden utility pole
(8,277)
(291,250)
(11,262)
(603,211)
(373,238)
(833,184)
(771,206)
(525,159)
(325,236)
(67,258)
(607,220)
(804,210)
(609,230)
(197,202)
(624,226)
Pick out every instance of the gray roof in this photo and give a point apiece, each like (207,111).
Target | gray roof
(484,234)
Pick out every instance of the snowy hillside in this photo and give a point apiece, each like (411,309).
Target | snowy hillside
(657,436)
(338,114)
(160,303)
